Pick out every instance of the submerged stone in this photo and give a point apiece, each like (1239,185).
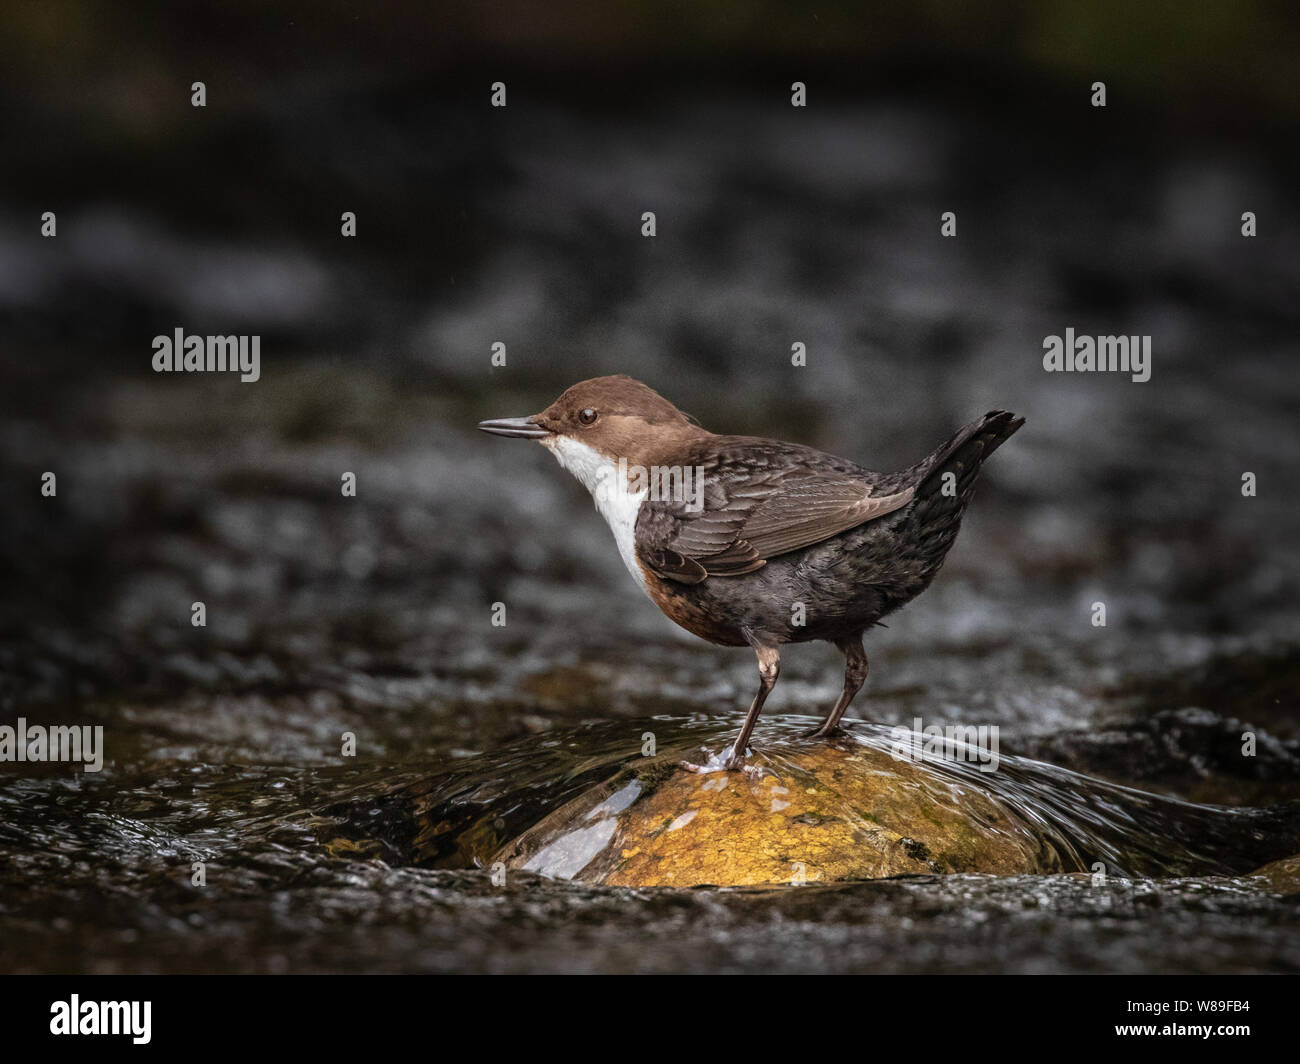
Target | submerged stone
(820,813)
(873,803)
(1282,876)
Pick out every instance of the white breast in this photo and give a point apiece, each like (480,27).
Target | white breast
(601,476)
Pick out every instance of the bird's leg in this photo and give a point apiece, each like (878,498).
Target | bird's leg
(769,668)
(855,675)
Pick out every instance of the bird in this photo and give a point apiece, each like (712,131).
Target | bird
(747,541)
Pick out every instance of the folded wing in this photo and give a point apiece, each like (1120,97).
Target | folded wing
(750,516)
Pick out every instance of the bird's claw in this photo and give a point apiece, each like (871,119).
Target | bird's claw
(732,762)
(712,764)
(823,732)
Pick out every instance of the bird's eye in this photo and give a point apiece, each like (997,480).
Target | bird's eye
(588,416)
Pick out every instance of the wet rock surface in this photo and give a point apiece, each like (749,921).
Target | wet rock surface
(371,616)
(831,815)
(871,803)
(1283,876)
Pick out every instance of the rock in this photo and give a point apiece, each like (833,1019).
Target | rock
(1283,876)
(829,812)
(581,806)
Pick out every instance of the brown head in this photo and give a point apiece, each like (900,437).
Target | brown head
(617,417)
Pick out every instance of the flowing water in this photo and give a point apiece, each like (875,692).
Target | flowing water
(1084,823)
(328,617)
(315,867)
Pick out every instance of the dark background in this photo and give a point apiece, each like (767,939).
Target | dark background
(522,225)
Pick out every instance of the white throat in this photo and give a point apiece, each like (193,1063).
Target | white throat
(601,476)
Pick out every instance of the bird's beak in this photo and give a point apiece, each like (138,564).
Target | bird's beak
(525,428)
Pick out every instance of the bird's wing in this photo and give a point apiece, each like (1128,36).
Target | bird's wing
(754,510)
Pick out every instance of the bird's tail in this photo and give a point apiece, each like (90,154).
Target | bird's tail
(946,481)
(963,455)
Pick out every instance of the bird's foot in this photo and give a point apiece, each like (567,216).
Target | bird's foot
(822,731)
(728,761)
(713,763)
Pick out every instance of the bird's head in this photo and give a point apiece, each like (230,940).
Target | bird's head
(603,420)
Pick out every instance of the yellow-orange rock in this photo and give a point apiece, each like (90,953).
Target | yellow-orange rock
(1283,876)
(830,812)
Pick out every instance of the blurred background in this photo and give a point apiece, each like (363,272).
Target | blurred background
(521,225)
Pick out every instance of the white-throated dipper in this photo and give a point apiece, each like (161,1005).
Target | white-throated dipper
(745,541)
